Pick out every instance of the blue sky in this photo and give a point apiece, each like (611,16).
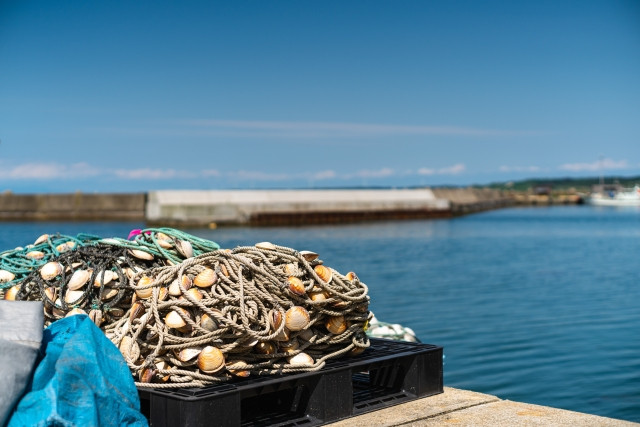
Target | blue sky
(135,96)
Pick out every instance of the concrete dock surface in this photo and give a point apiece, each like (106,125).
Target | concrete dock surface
(467,408)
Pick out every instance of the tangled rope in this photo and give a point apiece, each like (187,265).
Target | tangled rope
(168,243)
(264,309)
(16,264)
(91,279)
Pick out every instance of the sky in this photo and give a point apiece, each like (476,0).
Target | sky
(124,96)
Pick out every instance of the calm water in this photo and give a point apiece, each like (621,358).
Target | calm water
(539,305)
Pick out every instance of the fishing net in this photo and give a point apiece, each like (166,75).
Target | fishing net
(16,264)
(263,309)
(185,313)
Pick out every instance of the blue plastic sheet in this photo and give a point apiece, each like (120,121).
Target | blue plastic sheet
(83,380)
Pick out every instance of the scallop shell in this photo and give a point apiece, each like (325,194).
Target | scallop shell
(323,272)
(50,292)
(266,347)
(35,255)
(137,310)
(11,293)
(205,278)
(75,311)
(174,287)
(296,286)
(187,354)
(146,375)
(194,293)
(336,324)
(41,239)
(96,317)
(50,270)
(143,292)
(266,245)
(291,269)
(129,348)
(174,320)
(208,323)
(300,359)
(210,360)
(317,294)
(109,275)
(6,276)
(163,241)
(308,255)
(66,247)
(296,318)
(57,309)
(163,292)
(275,319)
(78,279)
(185,248)
(73,296)
(356,351)
(141,254)
(351,276)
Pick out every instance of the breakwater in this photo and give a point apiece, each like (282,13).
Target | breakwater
(72,207)
(252,207)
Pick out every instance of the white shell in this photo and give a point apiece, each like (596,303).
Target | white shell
(78,279)
(187,354)
(185,248)
(6,276)
(108,277)
(210,360)
(129,348)
(300,359)
(10,294)
(265,245)
(141,254)
(50,270)
(308,255)
(41,239)
(35,255)
(75,311)
(296,318)
(72,297)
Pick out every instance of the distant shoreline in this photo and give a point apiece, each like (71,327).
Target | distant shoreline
(355,205)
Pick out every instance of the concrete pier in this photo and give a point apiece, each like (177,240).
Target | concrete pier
(467,408)
(252,207)
(291,207)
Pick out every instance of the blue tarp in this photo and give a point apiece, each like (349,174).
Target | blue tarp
(82,380)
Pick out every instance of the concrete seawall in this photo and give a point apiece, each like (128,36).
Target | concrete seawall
(72,207)
(252,207)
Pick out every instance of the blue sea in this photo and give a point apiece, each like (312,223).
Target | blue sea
(539,305)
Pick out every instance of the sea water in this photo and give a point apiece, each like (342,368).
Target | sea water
(539,305)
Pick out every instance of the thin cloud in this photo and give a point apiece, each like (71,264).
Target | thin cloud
(449,170)
(519,169)
(328,174)
(380,173)
(338,129)
(259,176)
(148,173)
(604,164)
(42,171)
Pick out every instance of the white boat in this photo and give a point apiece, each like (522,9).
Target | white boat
(624,197)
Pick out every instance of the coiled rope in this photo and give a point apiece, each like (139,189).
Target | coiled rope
(263,310)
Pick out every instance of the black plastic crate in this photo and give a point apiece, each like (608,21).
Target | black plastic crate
(386,374)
